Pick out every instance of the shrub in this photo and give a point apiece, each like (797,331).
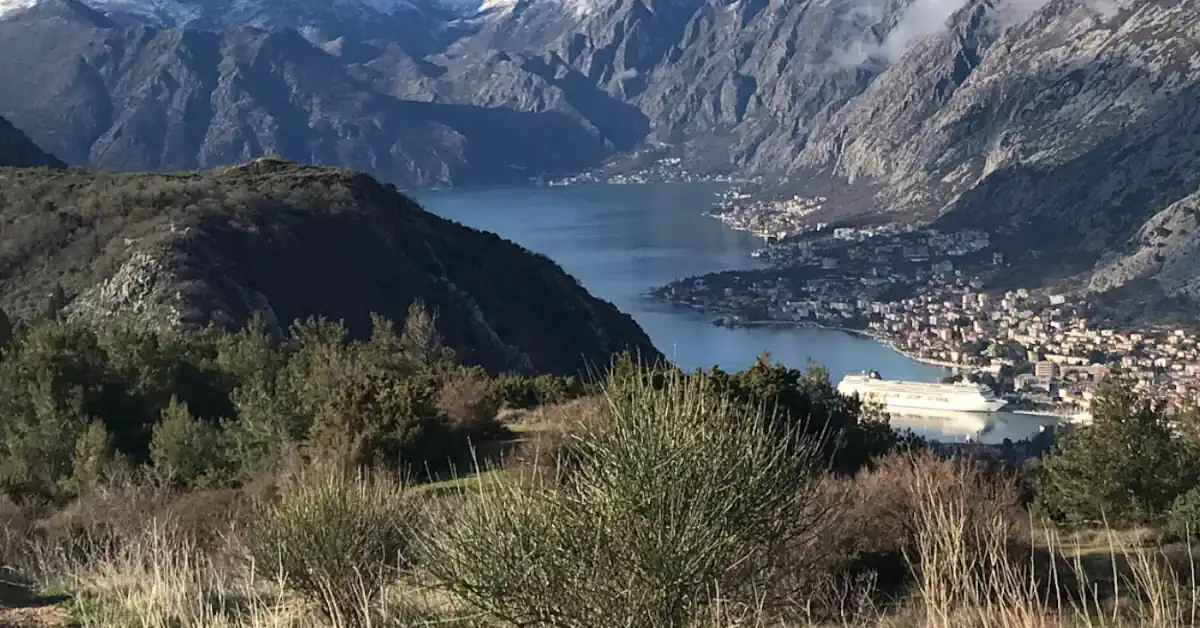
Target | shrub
(525,393)
(468,401)
(1183,520)
(93,456)
(680,497)
(882,527)
(49,380)
(336,541)
(851,435)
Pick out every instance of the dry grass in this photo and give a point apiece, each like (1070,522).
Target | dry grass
(160,578)
(917,542)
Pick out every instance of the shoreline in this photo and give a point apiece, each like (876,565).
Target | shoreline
(854,331)
(1061,417)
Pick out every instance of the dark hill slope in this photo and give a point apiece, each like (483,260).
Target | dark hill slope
(289,242)
(18,150)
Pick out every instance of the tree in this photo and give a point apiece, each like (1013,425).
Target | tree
(183,446)
(1126,468)
(420,339)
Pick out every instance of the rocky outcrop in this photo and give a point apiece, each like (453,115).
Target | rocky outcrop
(1166,249)
(287,242)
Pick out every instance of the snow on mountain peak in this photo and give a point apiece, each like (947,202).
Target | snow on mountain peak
(229,12)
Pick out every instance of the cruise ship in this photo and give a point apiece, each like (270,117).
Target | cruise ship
(959,397)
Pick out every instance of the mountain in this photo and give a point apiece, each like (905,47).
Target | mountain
(1069,130)
(1165,251)
(465,94)
(421,24)
(141,98)
(288,242)
(1064,125)
(723,85)
(16,149)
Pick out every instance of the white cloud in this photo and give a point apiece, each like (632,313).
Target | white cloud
(926,18)
(922,19)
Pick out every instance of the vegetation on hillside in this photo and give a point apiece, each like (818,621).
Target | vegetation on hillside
(290,242)
(239,478)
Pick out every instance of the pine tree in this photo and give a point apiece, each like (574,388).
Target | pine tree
(1125,468)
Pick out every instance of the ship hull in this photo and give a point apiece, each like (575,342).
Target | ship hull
(919,396)
(983,405)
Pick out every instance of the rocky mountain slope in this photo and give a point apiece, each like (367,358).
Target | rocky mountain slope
(500,91)
(1064,124)
(139,98)
(1068,130)
(1165,250)
(723,85)
(287,242)
(16,149)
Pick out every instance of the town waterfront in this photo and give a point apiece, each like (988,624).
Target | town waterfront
(620,241)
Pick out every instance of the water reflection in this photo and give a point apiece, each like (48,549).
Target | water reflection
(958,427)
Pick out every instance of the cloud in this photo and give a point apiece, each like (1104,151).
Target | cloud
(922,19)
(1106,8)
(925,18)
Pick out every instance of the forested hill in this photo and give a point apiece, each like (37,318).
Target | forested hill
(286,242)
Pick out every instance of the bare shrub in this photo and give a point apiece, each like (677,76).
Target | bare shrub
(468,402)
(964,538)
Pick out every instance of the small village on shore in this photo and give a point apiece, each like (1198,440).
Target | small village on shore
(907,287)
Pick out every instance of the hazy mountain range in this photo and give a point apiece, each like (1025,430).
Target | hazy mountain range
(1066,124)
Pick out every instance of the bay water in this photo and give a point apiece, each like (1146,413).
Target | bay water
(620,241)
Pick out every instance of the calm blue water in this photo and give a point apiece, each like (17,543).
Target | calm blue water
(622,240)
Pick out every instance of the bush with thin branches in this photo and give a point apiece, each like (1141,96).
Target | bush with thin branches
(335,540)
(679,499)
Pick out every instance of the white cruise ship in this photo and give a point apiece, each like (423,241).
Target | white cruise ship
(960,397)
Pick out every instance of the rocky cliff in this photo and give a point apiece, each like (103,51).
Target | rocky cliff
(107,96)
(287,242)
(1068,129)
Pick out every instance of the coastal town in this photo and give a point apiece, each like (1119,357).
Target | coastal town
(663,170)
(907,287)
(772,219)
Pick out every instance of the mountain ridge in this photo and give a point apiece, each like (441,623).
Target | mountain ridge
(141,98)
(1056,123)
